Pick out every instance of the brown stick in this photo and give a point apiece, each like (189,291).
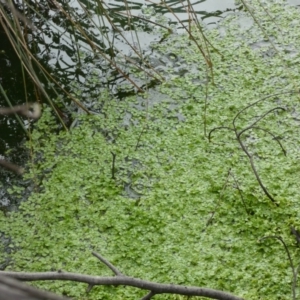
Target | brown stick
(11,167)
(121,279)
(11,289)
(156,288)
(29,110)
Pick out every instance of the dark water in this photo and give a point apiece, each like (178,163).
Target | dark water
(56,52)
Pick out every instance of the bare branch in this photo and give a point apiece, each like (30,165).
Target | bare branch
(29,110)
(296,234)
(155,288)
(217,128)
(11,289)
(11,167)
(260,100)
(254,168)
(107,263)
(295,273)
(148,296)
(260,118)
(238,135)
(274,137)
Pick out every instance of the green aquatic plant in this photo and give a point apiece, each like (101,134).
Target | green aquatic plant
(180,207)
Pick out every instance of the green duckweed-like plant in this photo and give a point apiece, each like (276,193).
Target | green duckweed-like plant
(182,208)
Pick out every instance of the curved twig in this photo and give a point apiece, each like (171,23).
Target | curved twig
(239,133)
(260,118)
(295,272)
(216,128)
(262,99)
(253,168)
(107,263)
(273,135)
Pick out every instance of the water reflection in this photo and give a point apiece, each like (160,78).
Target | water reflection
(67,52)
(59,44)
(56,43)
(115,27)
(210,11)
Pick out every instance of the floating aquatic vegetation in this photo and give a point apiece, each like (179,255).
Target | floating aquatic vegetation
(197,214)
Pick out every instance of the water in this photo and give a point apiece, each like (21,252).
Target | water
(56,50)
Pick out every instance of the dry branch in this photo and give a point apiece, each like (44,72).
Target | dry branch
(11,167)
(155,288)
(29,110)
(11,289)
(239,133)
(120,279)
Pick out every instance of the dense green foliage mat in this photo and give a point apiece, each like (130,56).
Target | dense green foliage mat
(182,208)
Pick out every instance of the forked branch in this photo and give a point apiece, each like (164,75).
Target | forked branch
(120,279)
(239,133)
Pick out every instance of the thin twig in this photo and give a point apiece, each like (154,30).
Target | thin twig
(289,258)
(209,221)
(262,99)
(260,118)
(217,128)
(240,192)
(113,169)
(108,264)
(238,135)
(274,137)
(254,168)
(148,296)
